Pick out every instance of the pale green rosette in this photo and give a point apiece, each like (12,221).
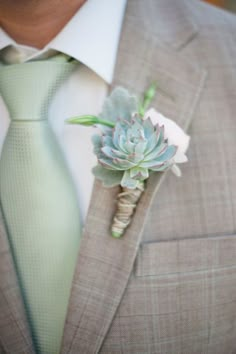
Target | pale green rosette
(127,152)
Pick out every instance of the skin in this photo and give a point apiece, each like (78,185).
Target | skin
(36,22)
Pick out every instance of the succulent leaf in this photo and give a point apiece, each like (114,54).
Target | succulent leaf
(120,104)
(129,182)
(139,173)
(110,178)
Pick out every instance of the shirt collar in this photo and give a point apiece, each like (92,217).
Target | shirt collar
(91,37)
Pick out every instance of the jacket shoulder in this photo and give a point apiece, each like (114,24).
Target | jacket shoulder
(159,17)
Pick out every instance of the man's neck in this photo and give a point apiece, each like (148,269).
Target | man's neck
(36,22)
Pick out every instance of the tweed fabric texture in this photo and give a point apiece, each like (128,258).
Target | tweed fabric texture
(38,199)
(180,297)
(14,327)
(168,286)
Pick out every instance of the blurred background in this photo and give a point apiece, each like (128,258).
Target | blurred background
(227,4)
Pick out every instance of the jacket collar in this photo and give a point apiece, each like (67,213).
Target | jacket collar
(170,21)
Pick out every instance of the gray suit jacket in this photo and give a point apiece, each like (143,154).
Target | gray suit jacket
(169,285)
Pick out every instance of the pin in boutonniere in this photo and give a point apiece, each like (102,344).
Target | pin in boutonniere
(133,143)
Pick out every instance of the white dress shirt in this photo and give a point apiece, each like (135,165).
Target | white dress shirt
(92,38)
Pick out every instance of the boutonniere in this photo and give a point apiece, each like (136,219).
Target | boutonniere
(134,142)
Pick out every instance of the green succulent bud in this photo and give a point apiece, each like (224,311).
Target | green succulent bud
(150,93)
(89,120)
(147,99)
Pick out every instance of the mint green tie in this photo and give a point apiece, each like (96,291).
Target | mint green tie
(38,199)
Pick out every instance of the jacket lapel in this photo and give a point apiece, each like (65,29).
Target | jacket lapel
(105,264)
(14,331)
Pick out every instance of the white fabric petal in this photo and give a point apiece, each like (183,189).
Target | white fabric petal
(175,135)
(173,132)
(180,157)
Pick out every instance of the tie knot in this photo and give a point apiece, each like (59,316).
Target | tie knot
(28,88)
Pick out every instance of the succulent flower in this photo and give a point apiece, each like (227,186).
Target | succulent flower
(133,142)
(134,147)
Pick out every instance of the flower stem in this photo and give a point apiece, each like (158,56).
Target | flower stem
(147,99)
(126,204)
(89,120)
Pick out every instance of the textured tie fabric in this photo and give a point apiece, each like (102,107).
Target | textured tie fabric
(38,199)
